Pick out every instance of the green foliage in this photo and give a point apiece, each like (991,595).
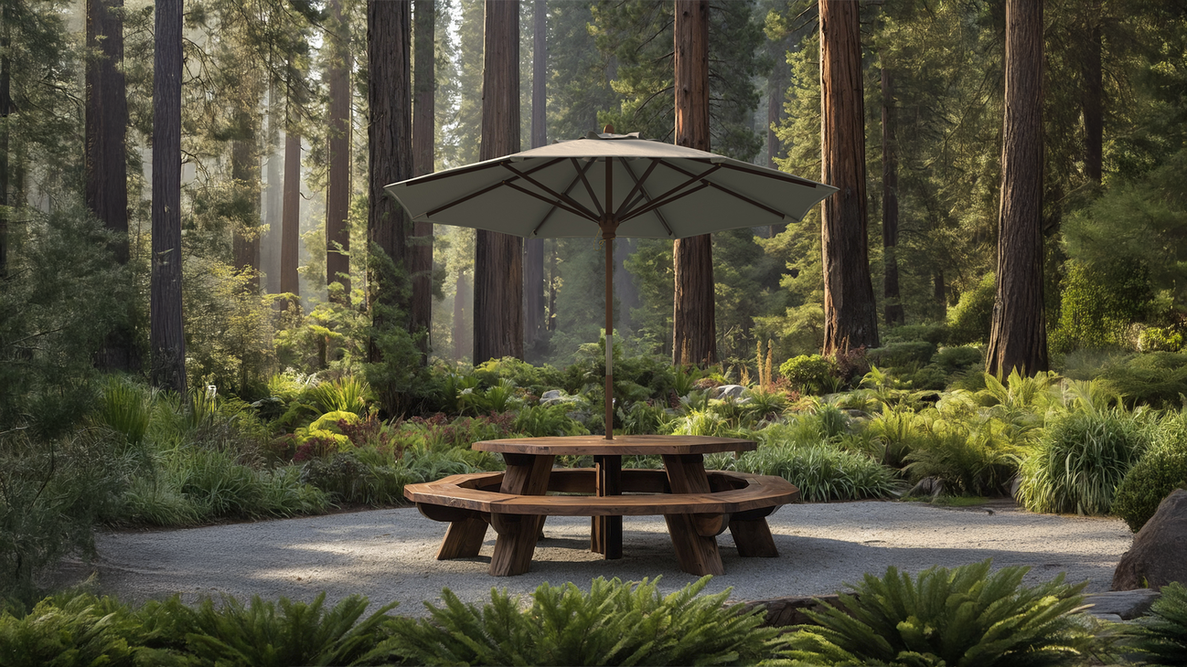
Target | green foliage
(960,618)
(77,632)
(1156,379)
(809,373)
(902,353)
(346,394)
(1079,462)
(1098,306)
(970,320)
(821,472)
(614,623)
(1161,635)
(972,457)
(1160,470)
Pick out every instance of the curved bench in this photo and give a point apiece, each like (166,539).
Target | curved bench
(738,501)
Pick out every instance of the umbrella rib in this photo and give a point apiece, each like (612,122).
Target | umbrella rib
(458,170)
(548,215)
(560,197)
(556,204)
(662,202)
(671,195)
(588,187)
(748,200)
(483,191)
(768,173)
(462,200)
(628,202)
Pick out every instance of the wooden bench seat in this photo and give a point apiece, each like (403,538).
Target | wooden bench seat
(737,501)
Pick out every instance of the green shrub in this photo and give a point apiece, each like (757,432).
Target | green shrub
(1157,379)
(931,333)
(822,473)
(346,394)
(76,632)
(1079,462)
(970,319)
(956,618)
(614,624)
(1162,469)
(125,408)
(901,354)
(972,458)
(1160,339)
(958,359)
(809,373)
(1161,635)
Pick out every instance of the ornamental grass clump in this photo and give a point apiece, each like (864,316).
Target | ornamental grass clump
(1160,637)
(615,623)
(1078,463)
(963,617)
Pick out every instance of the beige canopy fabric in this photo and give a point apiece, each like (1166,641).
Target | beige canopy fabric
(609,185)
(656,190)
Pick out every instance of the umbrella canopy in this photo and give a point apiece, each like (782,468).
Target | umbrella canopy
(609,185)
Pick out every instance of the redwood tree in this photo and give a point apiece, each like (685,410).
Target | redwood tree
(851,318)
(424,27)
(167,340)
(893,308)
(498,258)
(1018,336)
(694,329)
(338,188)
(290,217)
(533,272)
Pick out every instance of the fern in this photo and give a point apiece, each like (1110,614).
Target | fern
(1161,636)
(962,617)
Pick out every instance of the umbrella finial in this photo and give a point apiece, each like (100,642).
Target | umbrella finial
(609,129)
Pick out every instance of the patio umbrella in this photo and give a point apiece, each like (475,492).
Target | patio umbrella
(612,185)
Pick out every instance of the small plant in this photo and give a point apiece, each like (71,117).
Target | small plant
(614,624)
(809,374)
(1162,469)
(956,618)
(821,472)
(346,394)
(76,632)
(1161,635)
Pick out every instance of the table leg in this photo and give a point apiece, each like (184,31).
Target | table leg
(695,553)
(463,539)
(526,475)
(752,534)
(606,533)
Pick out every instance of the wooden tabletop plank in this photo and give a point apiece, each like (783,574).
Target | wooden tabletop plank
(623,445)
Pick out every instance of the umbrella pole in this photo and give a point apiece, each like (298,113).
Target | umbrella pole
(608,241)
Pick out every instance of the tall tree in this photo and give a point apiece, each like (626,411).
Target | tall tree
(1018,337)
(423,139)
(389,96)
(5,111)
(290,216)
(498,258)
(533,273)
(338,188)
(273,191)
(893,306)
(245,175)
(167,339)
(694,327)
(851,318)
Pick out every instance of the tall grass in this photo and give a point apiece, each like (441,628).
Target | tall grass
(821,472)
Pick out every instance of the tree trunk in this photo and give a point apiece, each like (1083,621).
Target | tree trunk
(940,292)
(694,327)
(1018,337)
(533,272)
(850,314)
(777,84)
(106,154)
(462,340)
(422,163)
(245,173)
(5,110)
(290,221)
(338,188)
(498,258)
(273,195)
(167,333)
(1093,94)
(890,289)
(389,95)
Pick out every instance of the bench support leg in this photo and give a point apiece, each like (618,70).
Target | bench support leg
(516,543)
(753,538)
(695,554)
(463,538)
(606,531)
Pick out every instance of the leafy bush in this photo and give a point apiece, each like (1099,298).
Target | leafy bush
(1080,461)
(74,632)
(1099,302)
(1161,635)
(1157,379)
(822,473)
(960,617)
(958,359)
(614,624)
(970,319)
(902,354)
(931,333)
(971,456)
(809,373)
(1162,469)
(1160,339)
(346,394)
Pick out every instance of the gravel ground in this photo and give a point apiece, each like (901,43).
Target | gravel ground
(389,554)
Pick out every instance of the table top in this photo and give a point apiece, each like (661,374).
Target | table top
(620,445)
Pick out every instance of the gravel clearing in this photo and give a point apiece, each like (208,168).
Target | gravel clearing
(389,554)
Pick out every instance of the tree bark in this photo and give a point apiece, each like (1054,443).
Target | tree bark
(1093,94)
(273,195)
(423,130)
(290,221)
(890,287)
(167,336)
(694,326)
(533,274)
(106,163)
(245,173)
(338,188)
(462,335)
(1018,337)
(5,110)
(850,314)
(498,258)
(389,94)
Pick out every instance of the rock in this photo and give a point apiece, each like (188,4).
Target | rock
(554,396)
(783,612)
(1125,605)
(729,392)
(1156,557)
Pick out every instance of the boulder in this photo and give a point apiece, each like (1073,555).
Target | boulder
(1125,605)
(729,392)
(554,396)
(1156,557)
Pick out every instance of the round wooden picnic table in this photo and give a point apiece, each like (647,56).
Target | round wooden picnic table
(529,464)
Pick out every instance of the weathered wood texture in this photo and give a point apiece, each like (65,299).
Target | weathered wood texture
(851,318)
(338,186)
(694,323)
(423,131)
(623,445)
(167,337)
(498,258)
(1018,336)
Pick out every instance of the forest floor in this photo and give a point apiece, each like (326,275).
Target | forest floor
(388,554)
